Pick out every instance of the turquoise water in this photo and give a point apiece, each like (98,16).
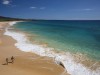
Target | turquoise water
(71,36)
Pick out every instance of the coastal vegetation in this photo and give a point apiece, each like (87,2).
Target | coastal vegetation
(2,18)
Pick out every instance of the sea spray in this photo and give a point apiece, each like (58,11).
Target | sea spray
(67,59)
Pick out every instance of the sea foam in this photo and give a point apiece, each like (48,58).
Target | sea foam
(67,59)
(12,23)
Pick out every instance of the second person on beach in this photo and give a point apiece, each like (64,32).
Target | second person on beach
(12,59)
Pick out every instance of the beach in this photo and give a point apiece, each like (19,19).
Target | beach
(25,63)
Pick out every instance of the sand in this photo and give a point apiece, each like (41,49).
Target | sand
(25,63)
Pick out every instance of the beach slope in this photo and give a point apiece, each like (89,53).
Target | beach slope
(24,63)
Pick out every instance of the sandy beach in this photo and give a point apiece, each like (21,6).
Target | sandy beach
(25,63)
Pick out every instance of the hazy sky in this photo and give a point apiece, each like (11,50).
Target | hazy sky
(51,9)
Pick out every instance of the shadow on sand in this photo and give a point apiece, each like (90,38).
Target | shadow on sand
(5,64)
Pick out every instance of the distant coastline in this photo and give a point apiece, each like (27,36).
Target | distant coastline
(3,18)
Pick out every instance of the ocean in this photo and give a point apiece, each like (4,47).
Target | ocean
(75,43)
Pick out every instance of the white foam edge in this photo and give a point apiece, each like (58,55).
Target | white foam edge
(71,66)
(12,23)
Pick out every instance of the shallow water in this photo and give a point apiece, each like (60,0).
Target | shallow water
(73,36)
(74,43)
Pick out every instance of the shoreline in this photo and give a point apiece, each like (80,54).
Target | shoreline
(75,64)
(26,63)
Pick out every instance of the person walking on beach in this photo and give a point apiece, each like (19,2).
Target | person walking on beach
(12,59)
(7,61)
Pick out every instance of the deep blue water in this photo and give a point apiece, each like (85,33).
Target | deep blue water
(72,36)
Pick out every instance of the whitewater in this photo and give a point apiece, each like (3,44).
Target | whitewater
(67,58)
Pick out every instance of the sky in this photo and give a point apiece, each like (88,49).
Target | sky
(51,9)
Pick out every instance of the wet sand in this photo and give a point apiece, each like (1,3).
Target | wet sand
(25,63)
